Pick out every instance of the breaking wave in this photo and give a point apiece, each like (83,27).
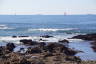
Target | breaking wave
(3,27)
(52,29)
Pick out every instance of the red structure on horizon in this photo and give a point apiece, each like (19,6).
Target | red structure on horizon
(65,13)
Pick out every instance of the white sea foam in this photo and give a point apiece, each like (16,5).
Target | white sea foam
(13,40)
(36,38)
(3,27)
(52,29)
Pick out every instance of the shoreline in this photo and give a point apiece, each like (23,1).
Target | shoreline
(59,54)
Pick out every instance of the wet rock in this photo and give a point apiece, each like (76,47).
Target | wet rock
(86,37)
(42,43)
(23,36)
(42,40)
(51,46)
(28,42)
(22,50)
(33,50)
(19,36)
(70,52)
(46,36)
(64,41)
(5,50)
(55,47)
(34,55)
(10,46)
(2,50)
(14,36)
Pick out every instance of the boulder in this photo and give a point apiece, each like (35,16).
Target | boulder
(14,36)
(46,36)
(2,50)
(10,46)
(70,52)
(51,46)
(33,50)
(28,42)
(56,47)
(64,41)
(42,44)
(61,48)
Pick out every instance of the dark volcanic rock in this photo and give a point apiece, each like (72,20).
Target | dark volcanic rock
(28,42)
(23,36)
(42,44)
(53,47)
(7,49)
(70,52)
(2,50)
(64,41)
(10,46)
(46,36)
(33,50)
(19,36)
(14,36)
(42,40)
(37,54)
(86,37)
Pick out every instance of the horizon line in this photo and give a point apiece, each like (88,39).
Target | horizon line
(48,14)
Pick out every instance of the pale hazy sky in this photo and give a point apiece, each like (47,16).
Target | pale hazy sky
(47,6)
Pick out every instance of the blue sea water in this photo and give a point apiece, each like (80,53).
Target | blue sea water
(47,24)
(60,25)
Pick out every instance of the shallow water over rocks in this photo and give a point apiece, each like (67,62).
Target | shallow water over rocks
(77,44)
(85,46)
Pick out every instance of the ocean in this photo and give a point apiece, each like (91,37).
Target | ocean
(36,25)
(59,26)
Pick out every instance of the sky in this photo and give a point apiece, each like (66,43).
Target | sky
(47,7)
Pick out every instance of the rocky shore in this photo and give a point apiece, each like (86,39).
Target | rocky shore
(89,37)
(43,53)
